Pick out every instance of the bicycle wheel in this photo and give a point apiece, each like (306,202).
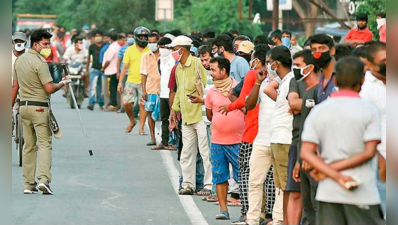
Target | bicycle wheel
(21,140)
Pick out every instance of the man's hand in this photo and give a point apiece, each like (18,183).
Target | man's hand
(173,120)
(317,175)
(196,99)
(306,167)
(120,88)
(347,182)
(261,76)
(66,80)
(296,173)
(144,96)
(223,109)
(118,75)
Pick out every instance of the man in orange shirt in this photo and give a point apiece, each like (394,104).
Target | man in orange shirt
(360,34)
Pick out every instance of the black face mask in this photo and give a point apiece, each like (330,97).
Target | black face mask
(322,59)
(297,74)
(383,69)
(247,57)
(221,54)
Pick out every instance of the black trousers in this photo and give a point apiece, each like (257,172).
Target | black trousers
(164,115)
(113,89)
(308,193)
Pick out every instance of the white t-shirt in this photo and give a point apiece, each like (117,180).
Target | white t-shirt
(166,66)
(341,126)
(282,120)
(375,90)
(72,56)
(267,107)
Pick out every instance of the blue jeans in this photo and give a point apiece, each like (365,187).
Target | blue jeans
(96,95)
(200,173)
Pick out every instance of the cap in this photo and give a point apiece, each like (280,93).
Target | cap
(181,41)
(194,50)
(246,47)
(172,37)
(19,36)
(47,26)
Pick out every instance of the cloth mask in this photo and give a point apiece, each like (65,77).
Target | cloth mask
(322,59)
(80,46)
(380,22)
(164,52)
(286,42)
(224,86)
(45,52)
(177,57)
(153,47)
(98,39)
(299,73)
(130,41)
(19,47)
(271,71)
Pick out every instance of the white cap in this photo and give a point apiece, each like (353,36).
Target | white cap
(172,37)
(46,26)
(181,41)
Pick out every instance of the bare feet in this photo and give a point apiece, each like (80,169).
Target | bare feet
(130,128)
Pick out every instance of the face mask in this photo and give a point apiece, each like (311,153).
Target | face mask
(177,55)
(221,54)
(299,73)
(164,52)
(271,71)
(380,22)
(153,47)
(252,65)
(286,42)
(80,46)
(383,69)
(98,39)
(322,59)
(247,57)
(215,55)
(45,52)
(130,41)
(19,47)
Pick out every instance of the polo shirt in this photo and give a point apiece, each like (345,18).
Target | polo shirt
(150,69)
(226,129)
(266,110)
(342,125)
(121,54)
(300,89)
(72,56)
(239,68)
(32,72)
(186,77)
(111,55)
(358,34)
(282,120)
(133,57)
(375,91)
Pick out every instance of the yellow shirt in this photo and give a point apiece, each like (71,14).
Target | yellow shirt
(186,77)
(132,57)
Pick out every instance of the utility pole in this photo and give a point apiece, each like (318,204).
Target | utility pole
(275,15)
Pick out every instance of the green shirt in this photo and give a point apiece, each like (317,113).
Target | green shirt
(32,72)
(186,77)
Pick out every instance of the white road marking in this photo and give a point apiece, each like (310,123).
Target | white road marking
(189,205)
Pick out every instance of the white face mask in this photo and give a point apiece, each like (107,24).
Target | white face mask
(380,22)
(19,47)
(153,47)
(164,52)
(271,71)
(252,64)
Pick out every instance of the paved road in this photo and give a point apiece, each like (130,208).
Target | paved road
(123,183)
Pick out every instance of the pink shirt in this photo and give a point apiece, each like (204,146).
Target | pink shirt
(226,129)
(111,55)
(383,33)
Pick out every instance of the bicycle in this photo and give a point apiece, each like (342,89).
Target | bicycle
(18,138)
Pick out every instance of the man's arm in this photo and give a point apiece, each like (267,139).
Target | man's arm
(295,102)
(88,63)
(143,85)
(209,114)
(252,99)
(121,79)
(119,63)
(15,90)
(271,90)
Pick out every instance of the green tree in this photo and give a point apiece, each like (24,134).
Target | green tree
(372,8)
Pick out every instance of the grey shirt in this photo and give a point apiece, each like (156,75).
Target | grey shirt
(342,125)
(299,88)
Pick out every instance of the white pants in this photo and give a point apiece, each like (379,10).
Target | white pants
(260,163)
(195,135)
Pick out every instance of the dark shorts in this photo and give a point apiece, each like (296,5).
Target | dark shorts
(337,214)
(221,157)
(292,186)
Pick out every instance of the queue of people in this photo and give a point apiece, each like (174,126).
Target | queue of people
(291,134)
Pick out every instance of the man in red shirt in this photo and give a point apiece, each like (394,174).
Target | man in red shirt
(360,34)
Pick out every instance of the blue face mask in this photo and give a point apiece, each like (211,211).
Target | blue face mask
(286,42)
(130,41)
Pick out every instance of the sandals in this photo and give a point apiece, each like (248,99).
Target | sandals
(162,147)
(151,143)
(186,191)
(204,192)
(130,127)
(143,133)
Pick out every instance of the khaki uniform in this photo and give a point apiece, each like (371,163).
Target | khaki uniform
(31,71)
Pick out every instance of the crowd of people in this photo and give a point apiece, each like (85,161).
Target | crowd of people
(291,134)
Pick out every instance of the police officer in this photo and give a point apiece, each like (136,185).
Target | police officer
(33,81)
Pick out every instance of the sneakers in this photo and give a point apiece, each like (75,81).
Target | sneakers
(31,192)
(222,216)
(90,107)
(186,191)
(45,188)
(240,221)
